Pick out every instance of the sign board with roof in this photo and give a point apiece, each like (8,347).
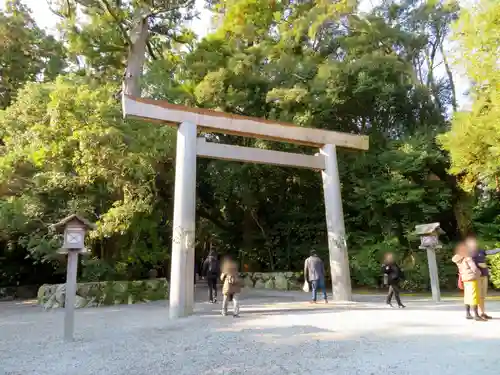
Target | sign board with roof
(429,241)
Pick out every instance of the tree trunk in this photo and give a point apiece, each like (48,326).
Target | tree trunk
(449,73)
(462,208)
(247,231)
(136,57)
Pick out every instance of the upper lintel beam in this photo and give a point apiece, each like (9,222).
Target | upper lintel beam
(220,122)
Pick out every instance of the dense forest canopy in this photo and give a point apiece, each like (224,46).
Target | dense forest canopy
(389,74)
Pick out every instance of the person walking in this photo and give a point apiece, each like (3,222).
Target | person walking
(469,273)
(210,271)
(314,273)
(392,277)
(479,257)
(231,287)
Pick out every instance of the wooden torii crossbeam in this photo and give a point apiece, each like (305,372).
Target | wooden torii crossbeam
(191,120)
(227,123)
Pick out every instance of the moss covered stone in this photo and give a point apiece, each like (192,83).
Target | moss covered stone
(105,293)
(273,280)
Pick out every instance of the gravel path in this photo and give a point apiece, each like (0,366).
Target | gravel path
(278,338)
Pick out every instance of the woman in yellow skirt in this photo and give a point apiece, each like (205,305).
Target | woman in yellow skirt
(470,274)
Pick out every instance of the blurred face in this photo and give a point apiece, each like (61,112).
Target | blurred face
(389,258)
(471,244)
(462,250)
(229,265)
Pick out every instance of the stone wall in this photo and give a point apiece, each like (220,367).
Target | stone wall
(273,280)
(104,293)
(10,293)
(129,292)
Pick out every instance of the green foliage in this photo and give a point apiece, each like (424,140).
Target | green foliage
(98,33)
(27,53)
(487,223)
(474,139)
(72,152)
(345,84)
(494,264)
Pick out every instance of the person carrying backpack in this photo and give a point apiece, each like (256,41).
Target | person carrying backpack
(231,287)
(211,271)
(393,275)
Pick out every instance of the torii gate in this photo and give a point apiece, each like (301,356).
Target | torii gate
(188,122)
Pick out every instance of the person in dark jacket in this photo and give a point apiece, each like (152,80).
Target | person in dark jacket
(393,275)
(314,273)
(211,270)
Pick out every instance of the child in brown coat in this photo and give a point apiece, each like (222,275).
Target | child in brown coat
(231,287)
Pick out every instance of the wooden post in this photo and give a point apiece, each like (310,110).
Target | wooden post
(75,228)
(433,273)
(429,241)
(69,302)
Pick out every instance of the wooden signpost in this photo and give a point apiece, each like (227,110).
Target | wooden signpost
(429,241)
(74,228)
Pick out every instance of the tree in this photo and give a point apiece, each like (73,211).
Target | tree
(348,73)
(68,150)
(473,141)
(429,21)
(27,53)
(114,37)
(319,64)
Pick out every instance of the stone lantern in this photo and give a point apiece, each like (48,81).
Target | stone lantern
(429,241)
(74,228)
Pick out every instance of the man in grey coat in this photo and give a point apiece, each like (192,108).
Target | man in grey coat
(314,273)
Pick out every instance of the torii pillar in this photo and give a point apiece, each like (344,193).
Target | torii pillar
(183,238)
(337,247)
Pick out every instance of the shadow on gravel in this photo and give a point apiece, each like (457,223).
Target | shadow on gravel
(259,312)
(419,349)
(254,309)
